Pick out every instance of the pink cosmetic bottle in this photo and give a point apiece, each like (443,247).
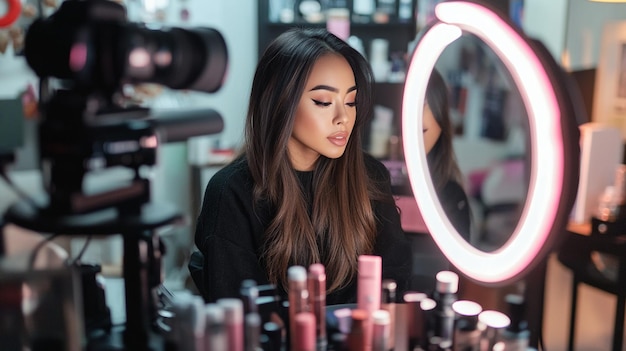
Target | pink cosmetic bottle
(233,320)
(304,334)
(317,302)
(298,297)
(369,287)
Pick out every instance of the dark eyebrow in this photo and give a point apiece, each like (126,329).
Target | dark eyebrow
(329,88)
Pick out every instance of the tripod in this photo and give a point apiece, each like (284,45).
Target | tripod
(141,261)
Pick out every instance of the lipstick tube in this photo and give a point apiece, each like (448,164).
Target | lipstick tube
(252,335)
(357,337)
(414,318)
(304,335)
(317,302)
(369,290)
(381,330)
(215,330)
(298,297)
(233,320)
(388,303)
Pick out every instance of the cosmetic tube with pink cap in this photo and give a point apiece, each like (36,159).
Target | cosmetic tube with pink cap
(369,287)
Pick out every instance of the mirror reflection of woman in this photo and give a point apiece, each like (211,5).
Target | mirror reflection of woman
(303,191)
(444,171)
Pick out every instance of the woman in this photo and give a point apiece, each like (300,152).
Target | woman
(302,191)
(444,170)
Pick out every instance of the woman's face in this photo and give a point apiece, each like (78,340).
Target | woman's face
(325,114)
(431,129)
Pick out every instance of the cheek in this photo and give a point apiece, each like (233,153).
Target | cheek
(306,120)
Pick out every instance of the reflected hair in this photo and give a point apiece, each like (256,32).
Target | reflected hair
(442,161)
(341,219)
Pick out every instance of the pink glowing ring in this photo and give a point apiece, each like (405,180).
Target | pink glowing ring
(12,14)
(544,209)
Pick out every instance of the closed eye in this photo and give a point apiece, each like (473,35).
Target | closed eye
(321,103)
(351,104)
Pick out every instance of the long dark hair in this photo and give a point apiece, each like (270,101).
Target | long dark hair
(341,216)
(441,159)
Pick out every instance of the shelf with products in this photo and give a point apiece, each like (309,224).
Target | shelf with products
(398,31)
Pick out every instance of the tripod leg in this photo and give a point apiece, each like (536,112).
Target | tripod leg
(138,318)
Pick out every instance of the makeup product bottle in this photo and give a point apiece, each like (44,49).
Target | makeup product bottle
(381,330)
(358,332)
(298,297)
(492,322)
(215,329)
(233,321)
(369,290)
(188,322)
(414,318)
(344,319)
(466,331)
(428,315)
(304,336)
(249,294)
(252,332)
(388,303)
(445,295)
(317,302)
(515,336)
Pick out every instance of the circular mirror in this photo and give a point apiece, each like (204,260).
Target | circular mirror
(473,97)
(527,131)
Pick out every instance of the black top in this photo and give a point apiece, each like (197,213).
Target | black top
(454,202)
(230,231)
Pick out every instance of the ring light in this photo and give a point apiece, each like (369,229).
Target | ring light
(548,159)
(12,14)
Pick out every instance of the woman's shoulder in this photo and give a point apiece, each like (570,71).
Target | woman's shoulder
(235,175)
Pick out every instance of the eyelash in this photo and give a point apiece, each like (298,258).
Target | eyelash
(325,104)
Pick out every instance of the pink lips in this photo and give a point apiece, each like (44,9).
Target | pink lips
(339,138)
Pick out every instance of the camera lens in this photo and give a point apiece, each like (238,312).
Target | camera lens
(91,44)
(179,58)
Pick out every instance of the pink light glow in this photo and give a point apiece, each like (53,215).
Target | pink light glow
(78,57)
(546,141)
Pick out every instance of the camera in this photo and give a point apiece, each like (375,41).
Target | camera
(92,44)
(85,54)
(93,51)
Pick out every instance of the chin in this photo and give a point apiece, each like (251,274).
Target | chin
(334,155)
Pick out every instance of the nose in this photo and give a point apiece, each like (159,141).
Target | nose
(341,115)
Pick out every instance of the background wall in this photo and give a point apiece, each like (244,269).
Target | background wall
(571,29)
